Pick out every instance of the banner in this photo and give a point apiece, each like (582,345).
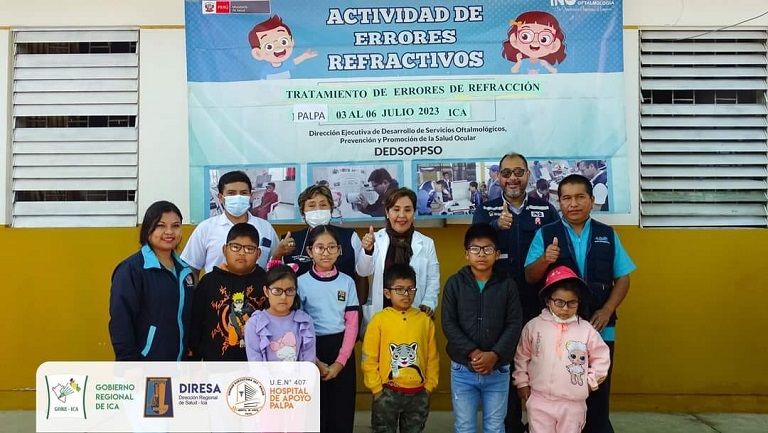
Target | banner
(177,397)
(428,95)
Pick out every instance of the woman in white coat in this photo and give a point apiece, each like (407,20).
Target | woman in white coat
(400,243)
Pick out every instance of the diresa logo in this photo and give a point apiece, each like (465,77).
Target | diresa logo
(199,388)
(246,396)
(66,395)
(158,398)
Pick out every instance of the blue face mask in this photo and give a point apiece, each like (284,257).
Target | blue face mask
(237,205)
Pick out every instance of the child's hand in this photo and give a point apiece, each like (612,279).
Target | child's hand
(427,310)
(524,393)
(323,367)
(333,371)
(484,362)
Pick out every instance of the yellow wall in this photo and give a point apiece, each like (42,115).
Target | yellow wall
(692,333)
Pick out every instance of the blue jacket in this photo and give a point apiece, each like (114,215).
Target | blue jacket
(150,308)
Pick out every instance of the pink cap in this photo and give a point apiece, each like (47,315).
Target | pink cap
(562,273)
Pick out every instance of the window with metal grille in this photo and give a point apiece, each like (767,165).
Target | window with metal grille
(703,149)
(75,127)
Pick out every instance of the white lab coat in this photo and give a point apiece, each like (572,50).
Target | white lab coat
(424,262)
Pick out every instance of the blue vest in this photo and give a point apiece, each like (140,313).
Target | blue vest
(599,264)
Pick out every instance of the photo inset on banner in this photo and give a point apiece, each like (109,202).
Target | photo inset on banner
(358,190)
(273,196)
(445,188)
(546,175)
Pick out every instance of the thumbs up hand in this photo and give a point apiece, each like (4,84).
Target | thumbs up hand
(368,240)
(505,219)
(552,253)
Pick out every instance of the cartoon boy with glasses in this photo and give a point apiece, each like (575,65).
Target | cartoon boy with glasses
(271,41)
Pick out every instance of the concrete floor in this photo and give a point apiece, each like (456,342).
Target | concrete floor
(442,422)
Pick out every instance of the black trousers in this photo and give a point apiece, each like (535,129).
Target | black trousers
(513,423)
(337,396)
(598,404)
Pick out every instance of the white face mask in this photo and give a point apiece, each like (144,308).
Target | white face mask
(316,218)
(237,205)
(571,319)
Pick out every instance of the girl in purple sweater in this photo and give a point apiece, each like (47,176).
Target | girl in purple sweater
(280,332)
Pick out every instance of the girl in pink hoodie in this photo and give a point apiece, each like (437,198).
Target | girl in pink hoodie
(560,357)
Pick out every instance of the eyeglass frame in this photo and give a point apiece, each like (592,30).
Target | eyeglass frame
(236,248)
(483,249)
(574,303)
(508,172)
(283,291)
(325,249)
(403,291)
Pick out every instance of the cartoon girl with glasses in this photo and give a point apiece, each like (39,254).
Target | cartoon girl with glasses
(535,43)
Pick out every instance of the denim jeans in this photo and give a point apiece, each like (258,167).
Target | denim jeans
(469,388)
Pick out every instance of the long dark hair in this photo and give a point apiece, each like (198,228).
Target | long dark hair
(152,218)
(277,273)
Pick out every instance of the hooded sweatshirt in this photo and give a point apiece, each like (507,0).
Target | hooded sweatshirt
(560,360)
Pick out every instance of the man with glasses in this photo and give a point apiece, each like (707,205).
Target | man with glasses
(516,217)
(593,251)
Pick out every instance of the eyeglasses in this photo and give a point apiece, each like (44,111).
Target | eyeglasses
(487,250)
(518,172)
(277,44)
(545,37)
(248,249)
(278,291)
(562,303)
(404,290)
(319,249)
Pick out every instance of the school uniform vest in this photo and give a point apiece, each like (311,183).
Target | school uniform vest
(599,264)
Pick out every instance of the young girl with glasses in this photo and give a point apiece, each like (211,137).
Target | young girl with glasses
(560,357)
(330,298)
(281,332)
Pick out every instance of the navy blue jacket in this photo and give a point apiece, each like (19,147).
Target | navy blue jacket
(601,251)
(514,244)
(150,308)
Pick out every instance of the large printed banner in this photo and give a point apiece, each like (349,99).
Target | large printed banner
(363,97)
(177,397)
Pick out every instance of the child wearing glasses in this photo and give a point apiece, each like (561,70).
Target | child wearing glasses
(280,332)
(400,361)
(481,319)
(330,298)
(560,357)
(226,298)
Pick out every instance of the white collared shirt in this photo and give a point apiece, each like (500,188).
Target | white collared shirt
(203,251)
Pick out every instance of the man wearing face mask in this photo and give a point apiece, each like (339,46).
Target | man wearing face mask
(204,249)
(316,205)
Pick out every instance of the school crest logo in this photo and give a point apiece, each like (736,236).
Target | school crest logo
(158,398)
(246,396)
(341,296)
(66,395)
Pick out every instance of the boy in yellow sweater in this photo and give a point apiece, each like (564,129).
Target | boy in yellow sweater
(400,361)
